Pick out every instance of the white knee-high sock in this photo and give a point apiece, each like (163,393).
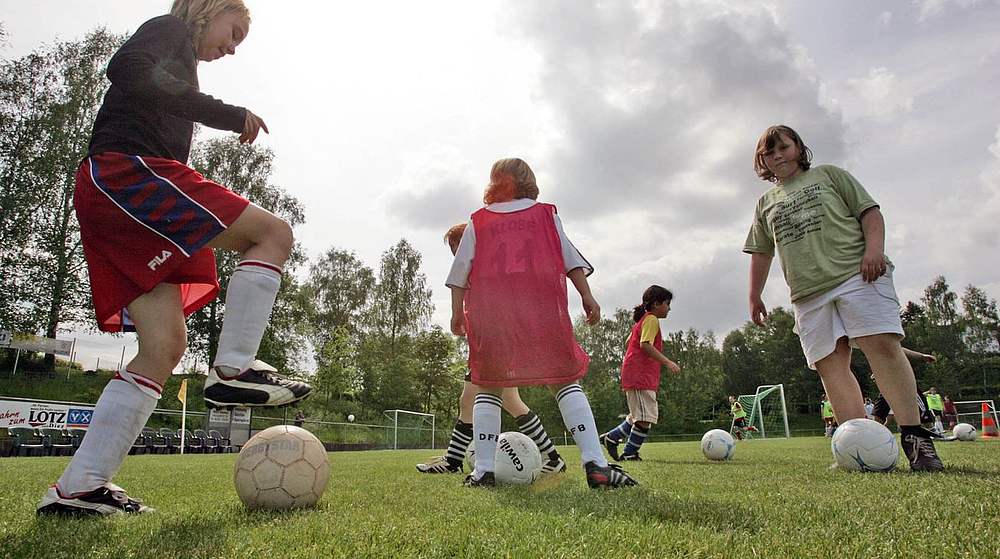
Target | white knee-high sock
(579,420)
(119,415)
(486,430)
(249,299)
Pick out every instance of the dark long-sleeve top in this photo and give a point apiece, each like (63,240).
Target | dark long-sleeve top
(153,102)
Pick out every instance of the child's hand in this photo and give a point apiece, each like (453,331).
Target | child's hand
(674,367)
(458,325)
(872,266)
(928,358)
(758,312)
(251,127)
(592,309)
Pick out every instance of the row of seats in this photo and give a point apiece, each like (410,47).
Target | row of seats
(28,441)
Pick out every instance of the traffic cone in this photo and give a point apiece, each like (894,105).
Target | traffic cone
(989,424)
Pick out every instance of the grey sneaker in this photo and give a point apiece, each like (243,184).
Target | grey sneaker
(919,450)
(104,501)
(439,465)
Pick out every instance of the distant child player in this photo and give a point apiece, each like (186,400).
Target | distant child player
(148,223)
(740,424)
(527,422)
(826,412)
(641,374)
(508,285)
(829,235)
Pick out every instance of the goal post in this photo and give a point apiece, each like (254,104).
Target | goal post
(766,412)
(971,412)
(409,428)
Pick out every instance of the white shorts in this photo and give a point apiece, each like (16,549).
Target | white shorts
(853,309)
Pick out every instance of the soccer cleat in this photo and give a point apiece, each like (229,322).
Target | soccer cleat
(633,457)
(611,445)
(919,450)
(105,500)
(611,476)
(485,480)
(554,466)
(259,386)
(439,465)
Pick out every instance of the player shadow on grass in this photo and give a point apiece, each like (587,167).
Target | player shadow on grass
(631,503)
(85,536)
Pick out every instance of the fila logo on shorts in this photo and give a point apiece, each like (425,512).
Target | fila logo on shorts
(159,259)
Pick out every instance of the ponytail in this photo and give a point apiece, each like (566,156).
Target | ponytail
(653,295)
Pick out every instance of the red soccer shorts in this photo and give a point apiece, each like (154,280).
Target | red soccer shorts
(146,221)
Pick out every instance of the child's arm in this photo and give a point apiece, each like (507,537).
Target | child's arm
(651,351)
(457,310)
(760,265)
(873,262)
(579,278)
(917,356)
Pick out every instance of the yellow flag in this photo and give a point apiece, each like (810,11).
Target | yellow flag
(182,394)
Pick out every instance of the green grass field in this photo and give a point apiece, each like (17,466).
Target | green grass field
(774,499)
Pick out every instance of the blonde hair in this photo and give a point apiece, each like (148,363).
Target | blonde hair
(197,14)
(524,182)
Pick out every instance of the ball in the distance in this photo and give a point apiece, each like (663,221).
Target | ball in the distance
(281,467)
(863,445)
(718,445)
(965,432)
(351,418)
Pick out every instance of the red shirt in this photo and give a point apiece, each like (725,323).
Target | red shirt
(639,370)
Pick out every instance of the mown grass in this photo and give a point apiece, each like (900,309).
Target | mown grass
(774,499)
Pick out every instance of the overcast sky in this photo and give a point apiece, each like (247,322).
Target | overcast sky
(639,119)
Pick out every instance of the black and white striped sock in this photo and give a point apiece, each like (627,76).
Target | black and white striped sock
(530,425)
(461,436)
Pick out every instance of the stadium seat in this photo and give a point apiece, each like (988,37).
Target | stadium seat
(77,436)
(139,446)
(155,443)
(173,442)
(27,441)
(208,444)
(56,442)
(222,443)
(192,443)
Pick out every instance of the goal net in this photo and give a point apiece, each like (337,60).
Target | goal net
(409,429)
(767,416)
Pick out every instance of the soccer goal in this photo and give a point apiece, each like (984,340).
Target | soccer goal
(971,412)
(410,429)
(766,412)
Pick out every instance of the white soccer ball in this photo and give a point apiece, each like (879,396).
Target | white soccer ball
(863,445)
(470,457)
(518,461)
(965,432)
(718,445)
(281,467)
(351,418)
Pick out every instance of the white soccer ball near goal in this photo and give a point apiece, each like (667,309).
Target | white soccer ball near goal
(965,432)
(718,445)
(281,467)
(518,461)
(863,445)
(350,418)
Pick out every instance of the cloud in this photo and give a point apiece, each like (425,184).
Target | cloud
(436,189)
(930,9)
(880,95)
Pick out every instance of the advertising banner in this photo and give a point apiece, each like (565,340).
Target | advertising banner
(41,415)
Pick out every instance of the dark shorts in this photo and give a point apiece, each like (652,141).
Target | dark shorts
(146,221)
(740,422)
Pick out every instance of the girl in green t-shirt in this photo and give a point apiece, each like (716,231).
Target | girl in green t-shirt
(829,235)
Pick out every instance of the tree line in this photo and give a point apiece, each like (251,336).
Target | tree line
(367,329)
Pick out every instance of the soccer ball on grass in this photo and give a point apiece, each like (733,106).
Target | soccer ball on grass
(281,467)
(718,445)
(518,461)
(964,432)
(863,445)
